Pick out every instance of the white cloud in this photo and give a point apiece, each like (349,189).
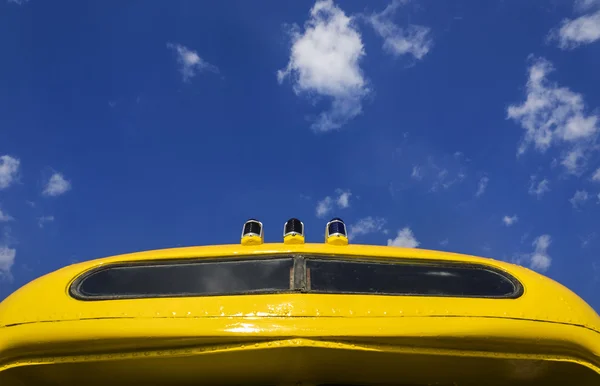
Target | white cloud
(19,2)
(4,217)
(44,219)
(580,197)
(405,238)
(586,5)
(574,160)
(324,60)
(414,39)
(343,200)
(538,188)
(573,33)
(596,175)
(9,169)
(57,185)
(325,206)
(416,173)
(540,260)
(443,181)
(442,172)
(553,115)
(444,242)
(7,259)
(190,62)
(482,186)
(509,220)
(365,226)
(587,239)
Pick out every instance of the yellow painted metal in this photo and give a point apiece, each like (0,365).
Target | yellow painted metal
(294,238)
(251,240)
(548,336)
(338,240)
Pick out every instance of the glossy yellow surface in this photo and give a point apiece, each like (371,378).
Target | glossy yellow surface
(548,336)
(251,239)
(293,238)
(336,240)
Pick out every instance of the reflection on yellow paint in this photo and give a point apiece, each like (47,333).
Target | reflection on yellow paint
(281,309)
(242,328)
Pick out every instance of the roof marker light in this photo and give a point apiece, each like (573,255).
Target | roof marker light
(335,232)
(293,231)
(252,233)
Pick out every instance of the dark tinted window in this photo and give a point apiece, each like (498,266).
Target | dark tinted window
(294,273)
(187,279)
(337,276)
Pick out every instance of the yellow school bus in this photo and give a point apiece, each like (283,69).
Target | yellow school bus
(297,313)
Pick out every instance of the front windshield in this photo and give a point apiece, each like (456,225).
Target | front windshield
(303,274)
(184,279)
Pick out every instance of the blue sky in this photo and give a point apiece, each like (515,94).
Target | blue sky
(465,126)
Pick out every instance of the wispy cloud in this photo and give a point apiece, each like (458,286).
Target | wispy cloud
(586,5)
(596,175)
(416,173)
(587,239)
(510,220)
(341,199)
(538,188)
(9,170)
(44,219)
(57,185)
(18,2)
(190,63)
(405,238)
(444,180)
(4,217)
(553,115)
(579,198)
(324,61)
(7,259)
(440,172)
(365,226)
(413,39)
(482,186)
(324,206)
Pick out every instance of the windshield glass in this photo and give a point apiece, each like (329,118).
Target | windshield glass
(406,279)
(294,273)
(188,279)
